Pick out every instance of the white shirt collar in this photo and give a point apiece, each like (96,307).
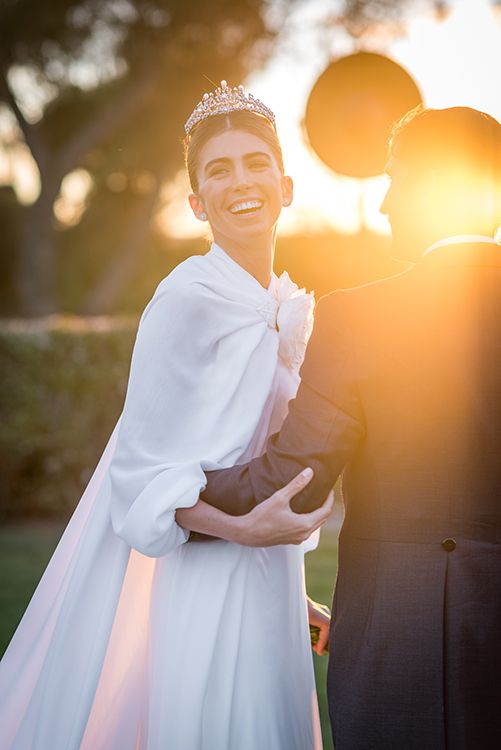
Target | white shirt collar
(461,239)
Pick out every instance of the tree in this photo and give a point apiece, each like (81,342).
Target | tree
(114,80)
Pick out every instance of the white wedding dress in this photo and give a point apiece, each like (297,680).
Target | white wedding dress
(135,640)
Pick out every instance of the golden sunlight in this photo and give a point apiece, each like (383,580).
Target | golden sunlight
(72,199)
(454,61)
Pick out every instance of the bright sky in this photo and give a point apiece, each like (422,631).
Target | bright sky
(455,61)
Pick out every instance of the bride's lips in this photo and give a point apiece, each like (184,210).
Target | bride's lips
(245,207)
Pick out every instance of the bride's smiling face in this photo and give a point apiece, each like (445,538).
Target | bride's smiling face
(241,188)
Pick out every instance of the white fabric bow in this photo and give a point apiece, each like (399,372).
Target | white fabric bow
(294,319)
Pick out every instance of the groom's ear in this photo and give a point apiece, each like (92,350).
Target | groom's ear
(287,190)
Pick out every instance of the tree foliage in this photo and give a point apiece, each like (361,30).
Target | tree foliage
(106,85)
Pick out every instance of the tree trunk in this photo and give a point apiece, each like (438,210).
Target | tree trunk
(36,267)
(36,261)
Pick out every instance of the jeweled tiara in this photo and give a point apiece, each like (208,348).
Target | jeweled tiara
(225,99)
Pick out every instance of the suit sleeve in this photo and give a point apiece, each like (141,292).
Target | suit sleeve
(323,429)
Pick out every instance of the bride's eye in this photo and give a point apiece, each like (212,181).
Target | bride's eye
(218,171)
(259,164)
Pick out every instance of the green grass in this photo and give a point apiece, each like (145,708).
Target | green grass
(321,568)
(24,553)
(26,549)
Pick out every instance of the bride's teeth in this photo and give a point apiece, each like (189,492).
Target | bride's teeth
(245,206)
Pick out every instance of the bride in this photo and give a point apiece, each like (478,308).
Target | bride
(134,639)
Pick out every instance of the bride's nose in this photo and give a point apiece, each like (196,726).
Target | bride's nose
(241,177)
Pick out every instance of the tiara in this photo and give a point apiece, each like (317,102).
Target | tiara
(225,99)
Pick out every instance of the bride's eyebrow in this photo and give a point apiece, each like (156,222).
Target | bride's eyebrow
(259,154)
(226,160)
(219,160)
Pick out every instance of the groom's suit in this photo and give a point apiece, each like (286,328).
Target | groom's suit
(401,388)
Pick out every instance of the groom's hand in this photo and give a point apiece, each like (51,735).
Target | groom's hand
(273,521)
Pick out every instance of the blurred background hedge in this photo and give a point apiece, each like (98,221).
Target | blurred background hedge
(63,385)
(64,377)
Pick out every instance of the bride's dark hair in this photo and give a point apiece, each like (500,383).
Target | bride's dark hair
(238,120)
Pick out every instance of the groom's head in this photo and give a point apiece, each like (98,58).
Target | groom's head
(445,171)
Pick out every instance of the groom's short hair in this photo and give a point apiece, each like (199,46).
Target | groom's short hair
(449,140)
(462,146)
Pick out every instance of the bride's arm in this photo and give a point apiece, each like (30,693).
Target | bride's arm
(169,425)
(205,519)
(264,525)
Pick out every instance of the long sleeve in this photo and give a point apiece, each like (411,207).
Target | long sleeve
(324,426)
(150,473)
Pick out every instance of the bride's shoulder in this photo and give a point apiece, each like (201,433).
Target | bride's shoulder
(183,287)
(189,271)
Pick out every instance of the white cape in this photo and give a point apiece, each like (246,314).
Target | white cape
(201,394)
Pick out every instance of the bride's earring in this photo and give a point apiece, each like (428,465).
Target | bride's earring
(202,216)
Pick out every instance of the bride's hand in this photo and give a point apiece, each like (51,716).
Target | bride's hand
(273,521)
(319,617)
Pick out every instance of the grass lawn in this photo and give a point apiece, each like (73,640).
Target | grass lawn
(24,553)
(321,568)
(26,549)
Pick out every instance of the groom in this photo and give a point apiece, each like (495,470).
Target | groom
(401,389)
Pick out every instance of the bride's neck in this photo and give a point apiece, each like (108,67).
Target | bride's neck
(256,257)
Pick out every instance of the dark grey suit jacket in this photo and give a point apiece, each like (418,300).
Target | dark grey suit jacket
(401,389)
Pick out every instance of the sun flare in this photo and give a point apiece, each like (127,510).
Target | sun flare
(454,60)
